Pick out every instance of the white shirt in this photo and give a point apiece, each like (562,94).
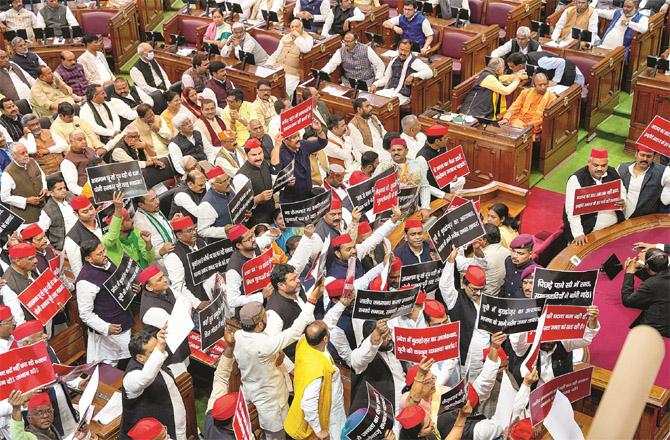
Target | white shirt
(493,264)
(183,200)
(58,147)
(73,254)
(635,186)
(330,16)
(341,148)
(614,37)
(603,219)
(69,16)
(592,27)
(421,71)
(111,125)
(437,192)
(7,185)
(324,8)
(374,59)
(414,144)
(234,291)
(22,89)
(176,155)
(176,273)
(96,69)
(11,300)
(124,110)
(142,222)
(425,25)
(304,44)
(71,177)
(506,48)
(139,81)
(69,218)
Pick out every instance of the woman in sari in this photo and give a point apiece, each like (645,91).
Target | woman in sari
(189,102)
(218,31)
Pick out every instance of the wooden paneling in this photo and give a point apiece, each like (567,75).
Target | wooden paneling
(374,17)
(560,125)
(173,26)
(175,65)
(643,45)
(50,53)
(651,97)
(151,14)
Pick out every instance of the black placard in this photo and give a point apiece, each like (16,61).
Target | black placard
(306,212)
(425,275)
(212,322)
(458,227)
(124,176)
(509,315)
(407,199)
(283,177)
(361,195)
(120,282)
(9,222)
(565,287)
(378,417)
(372,304)
(242,201)
(455,398)
(209,260)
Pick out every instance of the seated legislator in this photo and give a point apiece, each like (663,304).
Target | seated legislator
(339,18)
(23,184)
(596,172)
(217,31)
(27,60)
(528,109)
(15,83)
(647,184)
(56,15)
(49,91)
(401,73)
(125,99)
(210,123)
(412,26)
(78,158)
(558,70)
(72,73)
(154,132)
(17,17)
(486,98)
(237,115)
(10,120)
(147,74)
(312,11)
(366,131)
(624,22)
(522,43)
(580,15)
(265,102)
(46,147)
(218,86)
(67,122)
(258,6)
(198,74)
(288,52)
(131,147)
(652,7)
(94,62)
(230,156)
(357,60)
(446,5)
(240,40)
(188,142)
(105,122)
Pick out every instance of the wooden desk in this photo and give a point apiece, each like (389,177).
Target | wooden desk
(494,154)
(521,15)
(643,45)
(50,52)
(651,97)
(374,17)
(246,79)
(175,65)
(151,14)
(338,100)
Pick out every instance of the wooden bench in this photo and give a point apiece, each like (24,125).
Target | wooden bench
(69,344)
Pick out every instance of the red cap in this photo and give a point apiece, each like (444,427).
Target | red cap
(26,329)
(31,231)
(420,298)
(38,400)
(411,416)
(396,265)
(335,288)
(124,214)
(5,313)
(251,143)
(473,397)
(335,202)
(376,284)
(644,149)
(341,239)
(357,177)
(22,250)
(224,406)
(237,231)
(181,223)
(599,153)
(80,202)
(434,308)
(146,429)
(364,228)
(147,274)
(476,276)
(214,173)
(501,353)
(398,141)
(437,130)
(414,223)
(521,430)
(411,374)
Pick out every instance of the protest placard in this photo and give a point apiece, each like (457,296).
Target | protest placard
(25,368)
(212,322)
(208,260)
(408,197)
(45,297)
(348,288)
(318,267)
(657,136)
(296,118)
(209,356)
(121,176)
(283,177)
(385,194)
(362,194)
(458,227)
(377,420)
(438,343)
(241,419)
(240,203)
(448,166)
(565,287)
(9,222)
(575,386)
(509,315)
(454,398)
(597,198)
(460,201)
(372,304)
(120,282)
(306,212)
(56,263)
(564,323)
(425,275)
(256,272)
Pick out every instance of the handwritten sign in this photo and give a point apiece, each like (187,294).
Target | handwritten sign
(565,287)
(26,368)
(385,194)
(372,304)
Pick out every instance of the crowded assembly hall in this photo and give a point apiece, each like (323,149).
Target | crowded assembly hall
(334,219)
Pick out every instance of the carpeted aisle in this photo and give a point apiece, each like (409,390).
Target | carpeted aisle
(544,211)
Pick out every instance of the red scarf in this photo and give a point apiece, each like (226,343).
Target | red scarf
(212,134)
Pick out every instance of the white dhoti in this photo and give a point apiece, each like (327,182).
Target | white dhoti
(390,93)
(292,82)
(107,348)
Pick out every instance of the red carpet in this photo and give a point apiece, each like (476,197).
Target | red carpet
(544,212)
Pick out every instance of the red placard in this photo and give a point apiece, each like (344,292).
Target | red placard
(563,323)
(439,343)
(241,419)
(657,136)
(208,357)
(56,263)
(574,386)
(459,201)
(256,272)
(448,166)
(296,118)
(597,198)
(45,297)
(385,194)
(26,368)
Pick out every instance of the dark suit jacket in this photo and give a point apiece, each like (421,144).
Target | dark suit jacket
(652,297)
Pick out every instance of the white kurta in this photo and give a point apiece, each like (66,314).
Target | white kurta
(73,253)
(310,403)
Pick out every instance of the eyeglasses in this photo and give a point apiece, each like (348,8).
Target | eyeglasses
(44,412)
(475,290)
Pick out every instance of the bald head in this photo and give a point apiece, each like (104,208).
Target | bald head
(68,59)
(540,82)
(316,334)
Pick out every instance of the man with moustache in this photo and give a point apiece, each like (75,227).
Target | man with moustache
(647,184)
(259,172)
(521,257)
(45,146)
(176,263)
(436,144)
(293,149)
(189,195)
(74,164)
(86,228)
(23,185)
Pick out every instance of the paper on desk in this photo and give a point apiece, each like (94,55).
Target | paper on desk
(264,71)
(560,422)
(185,52)
(179,326)
(387,93)
(561,44)
(87,396)
(505,404)
(110,411)
(558,89)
